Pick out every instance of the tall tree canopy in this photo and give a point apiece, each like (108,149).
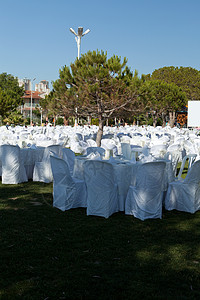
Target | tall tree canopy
(10,94)
(161,98)
(186,78)
(96,86)
(51,105)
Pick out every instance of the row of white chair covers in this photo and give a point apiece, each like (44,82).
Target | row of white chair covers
(81,137)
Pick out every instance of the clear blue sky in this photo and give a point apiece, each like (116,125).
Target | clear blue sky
(36,41)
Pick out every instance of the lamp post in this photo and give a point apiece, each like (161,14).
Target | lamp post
(78,37)
(41,115)
(31,111)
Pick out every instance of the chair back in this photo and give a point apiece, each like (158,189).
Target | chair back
(13,170)
(57,149)
(126,150)
(193,175)
(69,156)
(98,174)
(100,150)
(191,159)
(60,171)
(173,156)
(151,175)
(102,195)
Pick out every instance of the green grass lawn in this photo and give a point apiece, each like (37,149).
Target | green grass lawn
(49,254)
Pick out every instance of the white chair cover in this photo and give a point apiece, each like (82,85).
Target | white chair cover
(109,144)
(184,195)
(30,157)
(126,150)
(173,156)
(68,192)
(100,150)
(191,159)
(102,195)
(13,170)
(158,150)
(42,170)
(69,156)
(144,200)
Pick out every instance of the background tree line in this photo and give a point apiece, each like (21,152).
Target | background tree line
(102,88)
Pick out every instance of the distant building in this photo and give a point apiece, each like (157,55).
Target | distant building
(26,107)
(26,83)
(43,88)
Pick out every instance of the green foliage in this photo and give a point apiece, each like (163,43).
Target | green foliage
(59,121)
(161,97)
(95,85)
(51,105)
(187,78)
(94,122)
(142,119)
(10,94)
(14,118)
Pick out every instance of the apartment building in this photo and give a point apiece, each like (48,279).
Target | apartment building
(41,90)
(26,107)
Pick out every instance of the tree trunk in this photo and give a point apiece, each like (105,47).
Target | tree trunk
(66,121)
(163,120)
(100,132)
(172,116)
(154,121)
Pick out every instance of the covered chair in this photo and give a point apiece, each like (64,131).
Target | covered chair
(13,170)
(191,159)
(69,156)
(68,192)
(99,150)
(109,144)
(158,150)
(42,170)
(173,156)
(184,195)
(102,192)
(126,150)
(144,200)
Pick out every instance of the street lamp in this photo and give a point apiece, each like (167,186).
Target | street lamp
(78,37)
(41,115)
(31,111)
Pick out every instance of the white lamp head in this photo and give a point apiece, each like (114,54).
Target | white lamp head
(87,31)
(73,31)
